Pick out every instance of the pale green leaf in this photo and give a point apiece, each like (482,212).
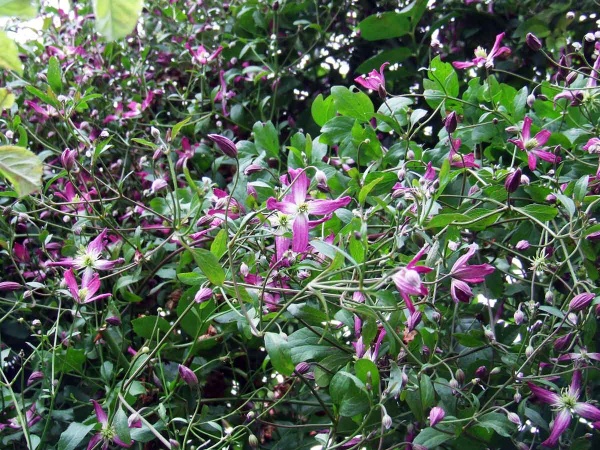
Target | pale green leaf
(9,56)
(6,99)
(22,168)
(25,9)
(115,19)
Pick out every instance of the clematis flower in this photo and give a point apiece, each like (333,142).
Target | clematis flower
(90,283)
(375,80)
(90,258)
(408,280)
(107,433)
(583,355)
(462,273)
(201,56)
(564,404)
(298,207)
(458,159)
(593,145)
(436,415)
(534,146)
(482,57)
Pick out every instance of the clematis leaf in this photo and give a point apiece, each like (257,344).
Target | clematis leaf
(115,19)
(22,168)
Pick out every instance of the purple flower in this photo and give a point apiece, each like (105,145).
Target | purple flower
(583,355)
(90,283)
(458,159)
(593,145)
(107,433)
(375,80)
(9,286)
(513,181)
(483,58)
(534,146)
(225,145)
(533,42)
(436,415)
(90,258)
(299,207)
(408,279)
(564,405)
(188,375)
(203,294)
(35,377)
(581,301)
(462,273)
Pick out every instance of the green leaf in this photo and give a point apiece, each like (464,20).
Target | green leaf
(322,110)
(366,189)
(54,74)
(337,129)
(197,320)
(122,426)
(266,138)
(357,105)
(427,392)
(328,367)
(73,435)
(384,26)
(367,371)
(543,213)
(9,56)
(497,422)
(349,394)
(442,82)
(306,345)
(209,265)
(579,192)
(178,126)
(219,245)
(115,19)
(394,55)
(279,351)
(441,220)
(24,9)
(6,99)
(148,326)
(431,437)
(22,168)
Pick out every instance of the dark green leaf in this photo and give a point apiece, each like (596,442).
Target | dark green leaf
(209,265)
(219,245)
(322,110)
(384,26)
(266,138)
(54,75)
(73,435)
(430,438)
(349,394)
(279,351)
(357,104)
(150,326)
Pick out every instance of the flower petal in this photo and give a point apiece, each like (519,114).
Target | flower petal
(526,131)
(300,230)
(285,207)
(97,245)
(463,64)
(300,185)
(72,283)
(321,207)
(544,395)
(542,137)
(100,414)
(94,441)
(588,411)
(460,291)
(561,422)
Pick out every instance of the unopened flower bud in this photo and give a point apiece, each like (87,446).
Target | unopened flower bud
(188,376)
(522,245)
(244,269)
(381,91)
(155,133)
(562,342)
(67,159)
(225,145)
(387,421)
(529,351)
(570,15)
(481,372)
(533,42)
(454,384)
(253,168)
(513,180)
(203,294)
(460,376)
(253,441)
(451,122)
(530,100)
(517,397)
(436,415)
(410,155)
(549,297)
(570,78)
(519,317)
(113,320)
(34,377)
(514,418)
(302,368)
(174,443)
(581,302)
(572,317)
(7,286)
(134,420)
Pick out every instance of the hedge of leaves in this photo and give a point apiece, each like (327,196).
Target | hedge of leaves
(297,224)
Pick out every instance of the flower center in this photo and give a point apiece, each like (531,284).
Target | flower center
(303,208)
(83,293)
(86,259)
(567,401)
(108,432)
(480,52)
(531,144)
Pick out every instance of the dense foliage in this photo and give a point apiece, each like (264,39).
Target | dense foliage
(300,224)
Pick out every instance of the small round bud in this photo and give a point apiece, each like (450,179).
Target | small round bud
(517,397)
(387,421)
(533,42)
(410,155)
(514,418)
(570,15)
(519,317)
(529,351)
(253,441)
(155,133)
(530,100)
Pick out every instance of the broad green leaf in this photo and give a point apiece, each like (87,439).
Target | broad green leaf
(178,126)
(441,220)
(357,105)
(542,213)
(306,345)
(209,265)
(497,422)
(427,392)
(394,55)
(6,99)
(367,372)
(322,110)
(197,320)
(431,437)
(115,19)
(9,55)
(279,351)
(73,435)
(54,75)
(150,326)
(384,26)
(328,367)
(579,192)
(266,138)
(366,189)
(122,426)
(22,168)
(349,394)
(24,9)
(219,245)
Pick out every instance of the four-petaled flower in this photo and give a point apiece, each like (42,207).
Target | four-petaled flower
(534,146)
(408,280)
(107,433)
(375,80)
(299,207)
(564,405)
(90,283)
(458,159)
(462,273)
(482,57)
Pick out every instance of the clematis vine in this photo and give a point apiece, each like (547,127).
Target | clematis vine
(565,404)
(483,58)
(534,146)
(408,280)
(375,80)
(90,258)
(299,207)
(90,283)
(107,433)
(463,273)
